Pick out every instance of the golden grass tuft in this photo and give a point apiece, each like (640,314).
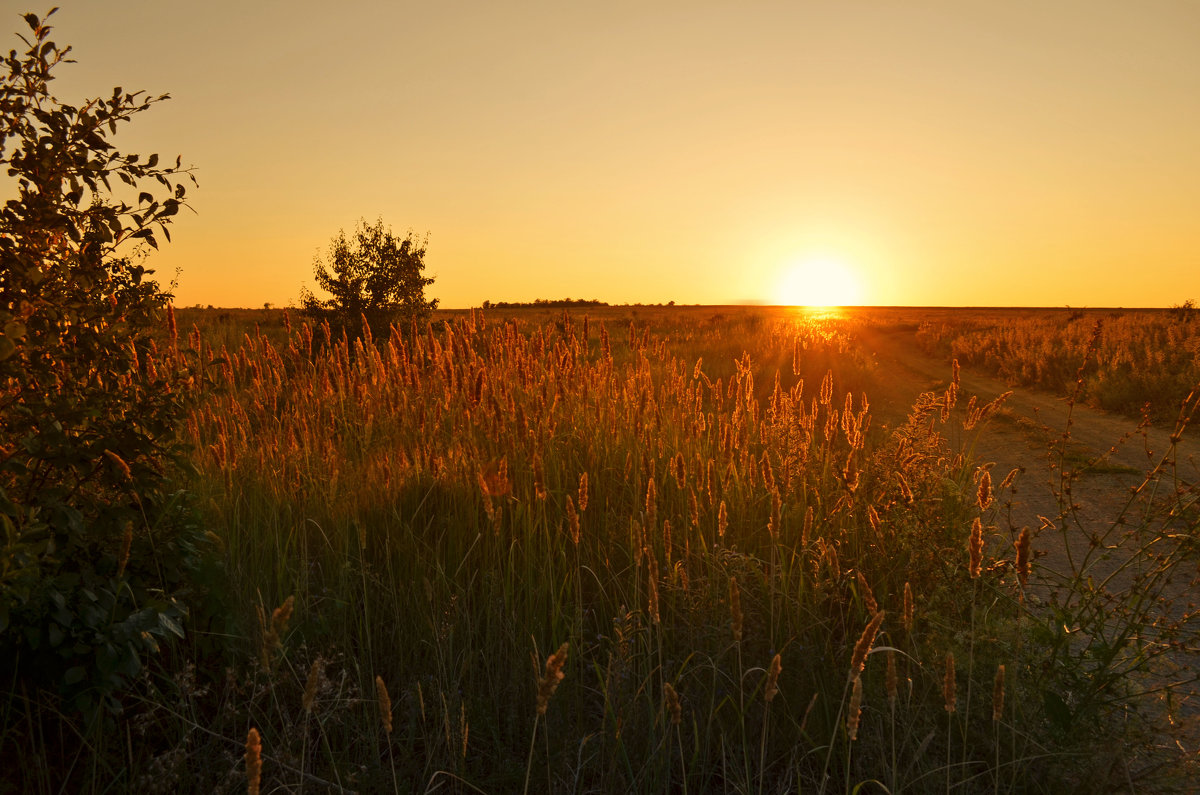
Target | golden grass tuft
(253,759)
(1022,546)
(855,710)
(950,685)
(385,704)
(975,548)
(772,688)
(984,494)
(671,704)
(272,631)
(548,683)
(868,595)
(859,658)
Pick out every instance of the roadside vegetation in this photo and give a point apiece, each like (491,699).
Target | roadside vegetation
(1139,361)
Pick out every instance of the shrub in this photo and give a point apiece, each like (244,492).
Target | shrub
(374,276)
(96,544)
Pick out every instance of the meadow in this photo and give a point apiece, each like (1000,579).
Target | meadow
(647,550)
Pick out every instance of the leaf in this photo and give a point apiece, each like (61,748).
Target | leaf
(74,675)
(7,348)
(170,624)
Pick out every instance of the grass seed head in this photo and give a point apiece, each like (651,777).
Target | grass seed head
(868,595)
(385,704)
(975,547)
(671,704)
(253,759)
(554,674)
(950,685)
(773,679)
(655,617)
(1022,546)
(984,495)
(859,658)
(855,710)
(651,501)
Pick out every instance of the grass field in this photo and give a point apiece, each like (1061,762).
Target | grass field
(655,550)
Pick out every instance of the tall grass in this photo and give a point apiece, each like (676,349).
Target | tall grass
(1136,358)
(758,591)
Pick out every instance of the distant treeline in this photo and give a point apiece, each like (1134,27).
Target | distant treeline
(544,303)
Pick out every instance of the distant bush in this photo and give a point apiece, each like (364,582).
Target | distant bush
(545,303)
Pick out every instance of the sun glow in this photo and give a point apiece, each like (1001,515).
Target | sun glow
(819,282)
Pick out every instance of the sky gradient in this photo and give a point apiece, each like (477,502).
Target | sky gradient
(945,153)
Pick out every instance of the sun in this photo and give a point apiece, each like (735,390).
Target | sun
(818,282)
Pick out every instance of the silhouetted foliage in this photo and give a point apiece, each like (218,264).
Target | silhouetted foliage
(96,545)
(373,275)
(545,303)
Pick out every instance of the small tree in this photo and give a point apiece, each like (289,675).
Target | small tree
(374,275)
(95,542)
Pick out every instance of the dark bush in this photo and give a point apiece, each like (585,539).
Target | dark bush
(96,541)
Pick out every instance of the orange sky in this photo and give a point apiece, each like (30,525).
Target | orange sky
(947,153)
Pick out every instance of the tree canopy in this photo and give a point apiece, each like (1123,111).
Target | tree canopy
(372,274)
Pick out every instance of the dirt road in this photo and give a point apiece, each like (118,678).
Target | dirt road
(1109,455)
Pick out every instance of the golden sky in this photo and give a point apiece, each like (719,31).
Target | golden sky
(943,153)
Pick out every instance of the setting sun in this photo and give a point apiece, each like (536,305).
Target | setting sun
(819,282)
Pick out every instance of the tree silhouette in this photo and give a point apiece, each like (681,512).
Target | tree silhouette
(373,275)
